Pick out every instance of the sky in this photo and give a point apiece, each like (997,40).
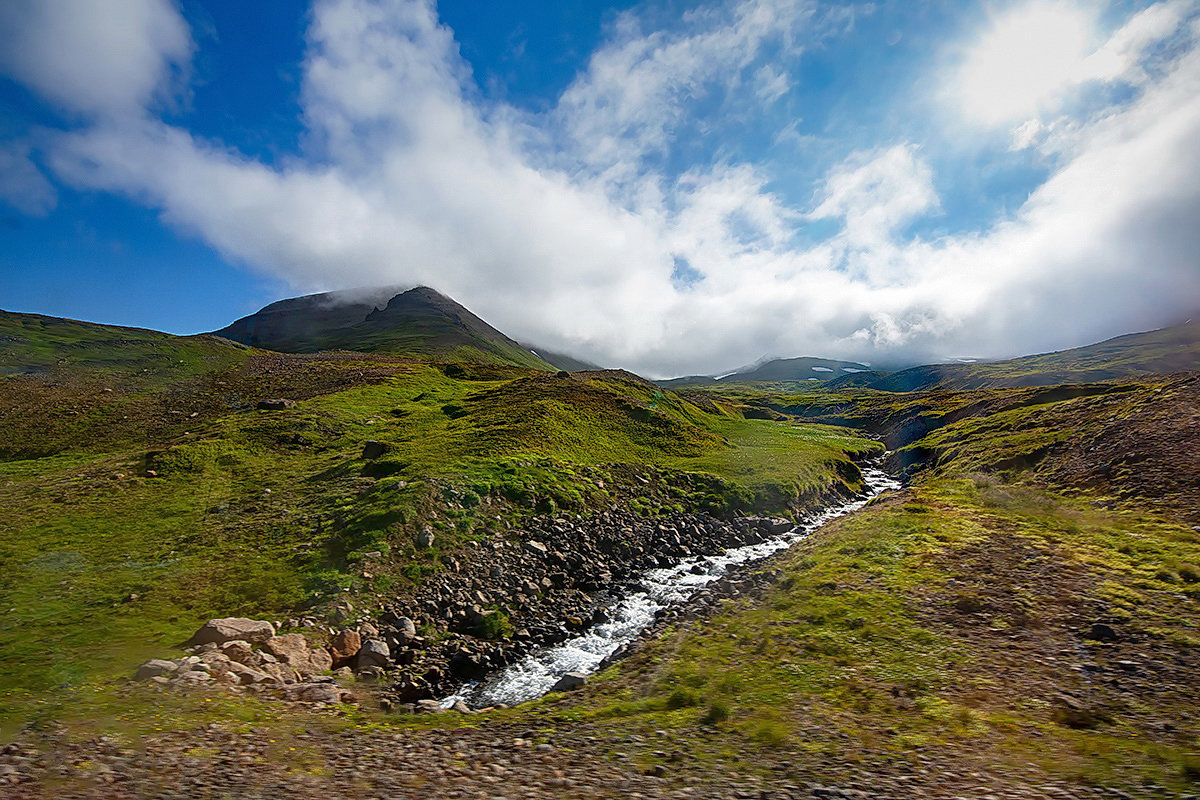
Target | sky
(670,187)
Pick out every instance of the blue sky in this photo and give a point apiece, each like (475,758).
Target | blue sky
(670,187)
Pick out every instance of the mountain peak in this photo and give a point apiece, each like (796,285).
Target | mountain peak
(419,321)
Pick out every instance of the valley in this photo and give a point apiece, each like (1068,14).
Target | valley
(1019,618)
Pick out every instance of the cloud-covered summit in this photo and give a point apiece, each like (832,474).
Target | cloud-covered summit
(690,201)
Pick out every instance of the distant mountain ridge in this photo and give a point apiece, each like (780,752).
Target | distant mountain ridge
(420,322)
(1166,350)
(804,368)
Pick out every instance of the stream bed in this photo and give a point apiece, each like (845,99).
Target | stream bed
(628,617)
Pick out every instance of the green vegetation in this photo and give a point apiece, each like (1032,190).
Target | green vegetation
(34,344)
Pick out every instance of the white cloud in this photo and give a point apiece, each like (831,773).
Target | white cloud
(877,192)
(559,229)
(771,84)
(1033,54)
(638,87)
(92,58)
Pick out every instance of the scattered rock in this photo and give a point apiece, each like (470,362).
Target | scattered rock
(426,538)
(572,680)
(154,668)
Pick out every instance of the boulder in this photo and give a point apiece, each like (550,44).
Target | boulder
(344,646)
(280,672)
(374,653)
(249,675)
(572,680)
(405,627)
(154,668)
(1102,633)
(219,631)
(276,404)
(426,538)
(195,676)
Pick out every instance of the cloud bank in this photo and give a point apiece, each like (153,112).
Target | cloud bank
(595,228)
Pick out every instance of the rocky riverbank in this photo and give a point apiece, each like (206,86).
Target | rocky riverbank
(535,587)
(488,606)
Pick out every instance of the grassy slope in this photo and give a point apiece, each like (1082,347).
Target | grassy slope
(1130,440)
(257,512)
(36,344)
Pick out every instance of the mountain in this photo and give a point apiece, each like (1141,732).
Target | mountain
(804,368)
(1174,349)
(419,322)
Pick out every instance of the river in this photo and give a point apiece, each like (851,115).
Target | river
(628,617)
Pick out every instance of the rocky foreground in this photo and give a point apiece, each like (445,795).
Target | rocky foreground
(486,610)
(494,762)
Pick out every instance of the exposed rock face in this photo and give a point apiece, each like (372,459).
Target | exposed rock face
(219,631)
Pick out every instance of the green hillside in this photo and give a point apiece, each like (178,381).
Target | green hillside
(1175,349)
